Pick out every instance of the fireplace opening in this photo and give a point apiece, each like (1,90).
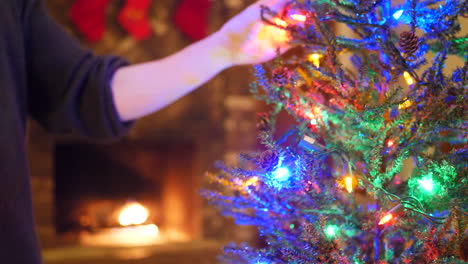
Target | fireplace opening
(128,193)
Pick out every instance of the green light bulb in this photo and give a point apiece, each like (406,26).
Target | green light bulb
(331,231)
(427,184)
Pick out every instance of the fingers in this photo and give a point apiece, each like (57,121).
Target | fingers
(275,5)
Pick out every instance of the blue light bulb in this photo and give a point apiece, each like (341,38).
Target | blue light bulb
(398,14)
(281,174)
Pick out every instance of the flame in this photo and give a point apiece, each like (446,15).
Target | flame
(390,143)
(298,17)
(385,219)
(140,235)
(315,59)
(133,214)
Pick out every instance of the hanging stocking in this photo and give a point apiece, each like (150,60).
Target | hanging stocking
(191,16)
(89,18)
(134,18)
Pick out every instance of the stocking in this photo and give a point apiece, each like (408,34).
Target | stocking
(134,18)
(191,16)
(89,18)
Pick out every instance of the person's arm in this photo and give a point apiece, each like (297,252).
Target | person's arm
(144,88)
(68,88)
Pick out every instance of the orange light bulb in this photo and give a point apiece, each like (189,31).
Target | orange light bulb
(298,17)
(349,184)
(315,59)
(409,80)
(280,22)
(386,219)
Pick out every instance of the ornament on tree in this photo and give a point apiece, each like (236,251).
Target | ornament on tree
(281,76)
(365,6)
(263,123)
(269,159)
(409,43)
(191,16)
(134,18)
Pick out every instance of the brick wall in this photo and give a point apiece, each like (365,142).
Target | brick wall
(214,116)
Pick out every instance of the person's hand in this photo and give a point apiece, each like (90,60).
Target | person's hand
(246,39)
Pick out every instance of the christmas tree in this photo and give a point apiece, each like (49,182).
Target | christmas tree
(374,169)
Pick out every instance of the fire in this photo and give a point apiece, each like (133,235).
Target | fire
(133,214)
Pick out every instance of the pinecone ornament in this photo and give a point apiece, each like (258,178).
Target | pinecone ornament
(263,123)
(409,43)
(365,6)
(269,160)
(281,76)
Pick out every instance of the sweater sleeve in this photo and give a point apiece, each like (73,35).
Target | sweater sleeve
(68,87)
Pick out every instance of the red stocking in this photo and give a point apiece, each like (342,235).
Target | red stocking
(89,18)
(134,18)
(191,16)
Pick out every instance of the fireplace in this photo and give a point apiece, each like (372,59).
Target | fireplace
(131,193)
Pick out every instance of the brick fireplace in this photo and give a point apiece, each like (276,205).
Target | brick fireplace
(79,186)
(94,183)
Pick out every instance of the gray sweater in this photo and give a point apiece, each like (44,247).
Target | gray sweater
(46,75)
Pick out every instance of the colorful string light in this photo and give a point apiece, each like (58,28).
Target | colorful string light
(398,14)
(387,218)
(349,184)
(331,231)
(409,80)
(315,59)
(298,17)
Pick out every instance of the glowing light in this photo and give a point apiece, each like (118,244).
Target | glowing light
(251,181)
(349,184)
(315,59)
(298,17)
(141,235)
(405,104)
(282,174)
(280,22)
(331,231)
(269,37)
(398,14)
(385,219)
(427,184)
(317,111)
(408,78)
(133,214)
(390,143)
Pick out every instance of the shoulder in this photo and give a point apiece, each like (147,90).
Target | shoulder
(23,7)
